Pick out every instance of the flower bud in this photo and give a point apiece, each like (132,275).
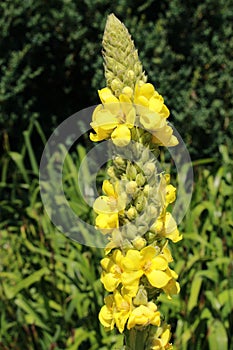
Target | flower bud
(119,162)
(141,297)
(116,84)
(110,171)
(139,243)
(150,237)
(130,74)
(152,211)
(140,202)
(140,179)
(146,190)
(131,187)
(131,231)
(131,172)
(145,155)
(132,213)
(149,168)
(127,91)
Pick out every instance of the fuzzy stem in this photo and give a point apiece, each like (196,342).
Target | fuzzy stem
(136,339)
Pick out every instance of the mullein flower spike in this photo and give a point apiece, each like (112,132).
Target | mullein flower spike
(133,209)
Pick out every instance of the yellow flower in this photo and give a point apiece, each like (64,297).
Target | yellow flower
(161,339)
(116,310)
(112,266)
(121,136)
(153,114)
(147,96)
(148,263)
(164,136)
(106,313)
(108,207)
(172,286)
(114,118)
(106,222)
(166,226)
(144,315)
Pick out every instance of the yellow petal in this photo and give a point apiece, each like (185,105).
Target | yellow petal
(141,100)
(100,135)
(106,263)
(165,112)
(165,337)
(107,221)
(96,110)
(159,263)
(106,317)
(108,188)
(132,260)
(105,120)
(131,278)
(130,118)
(112,105)
(170,194)
(173,141)
(125,99)
(117,257)
(163,136)
(147,90)
(158,279)
(109,281)
(148,253)
(101,206)
(104,94)
(121,136)
(152,121)
(156,104)
(171,288)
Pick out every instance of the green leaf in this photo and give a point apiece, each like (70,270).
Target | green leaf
(194,294)
(217,335)
(31,317)
(25,283)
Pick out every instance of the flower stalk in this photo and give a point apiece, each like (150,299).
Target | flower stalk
(133,208)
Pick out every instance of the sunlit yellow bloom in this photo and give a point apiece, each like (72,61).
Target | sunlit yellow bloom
(116,310)
(106,222)
(172,286)
(106,95)
(161,339)
(152,120)
(164,136)
(106,313)
(147,96)
(166,226)
(145,262)
(167,253)
(170,194)
(108,207)
(144,315)
(114,118)
(112,270)
(121,136)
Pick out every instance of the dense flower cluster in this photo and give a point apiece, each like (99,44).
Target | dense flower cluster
(133,211)
(143,107)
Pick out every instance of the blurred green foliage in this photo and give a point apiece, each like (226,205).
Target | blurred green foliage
(51,67)
(50,290)
(51,64)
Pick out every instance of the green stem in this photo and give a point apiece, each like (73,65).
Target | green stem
(136,339)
